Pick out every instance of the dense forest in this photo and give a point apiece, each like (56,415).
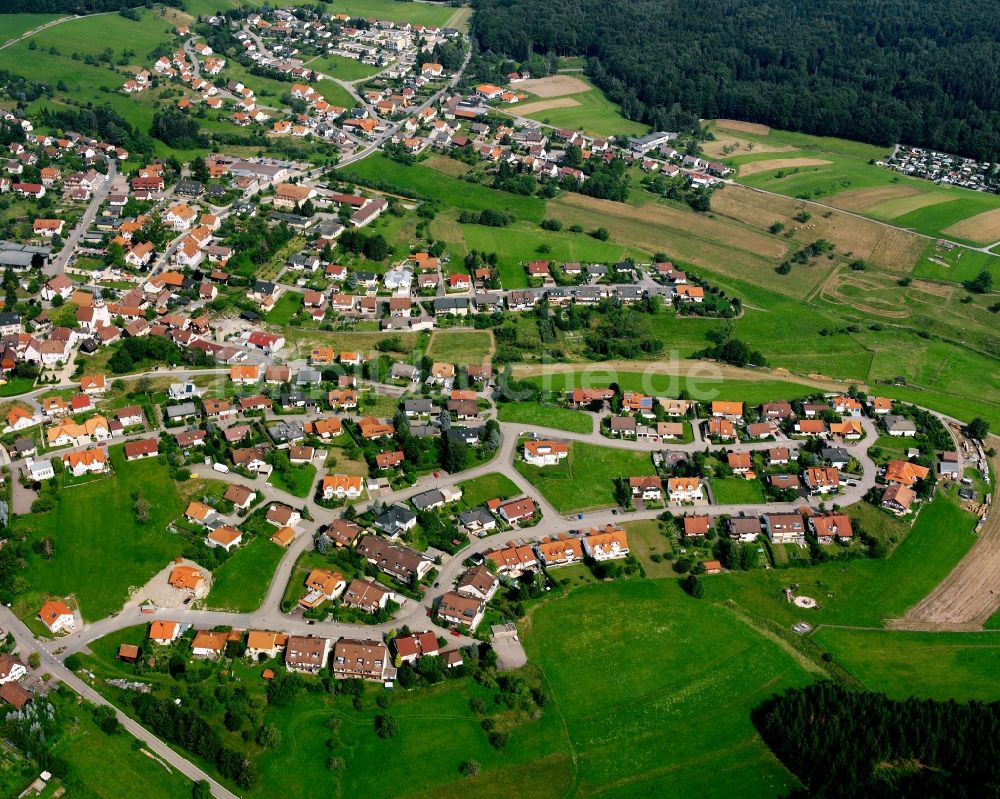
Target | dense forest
(842,743)
(923,72)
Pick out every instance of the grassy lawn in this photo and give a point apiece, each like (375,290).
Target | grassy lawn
(88,751)
(100,549)
(535,413)
(737,491)
(941,666)
(862,592)
(241,582)
(704,389)
(395,10)
(583,481)
(349,69)
(590,112)
(16,385)
(699,689)
(463,347)
(645,538)
(422,182)
(300,482)
(476,491)
(523,242)
(284,309)
(15,25)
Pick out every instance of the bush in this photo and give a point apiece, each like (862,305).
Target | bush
(386,726)
(692,585)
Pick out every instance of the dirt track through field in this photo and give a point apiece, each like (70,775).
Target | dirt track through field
(553,86)
(544,105)
(779,163)
(970,594)
(743,127)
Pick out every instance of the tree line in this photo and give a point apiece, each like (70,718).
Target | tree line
(922,72)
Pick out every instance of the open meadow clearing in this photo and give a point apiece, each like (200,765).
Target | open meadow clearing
(959,666)
(422,182)
(569,101)
(523,242)
(349,69)
(95,524)
(862,593)
(240,584)
(13,26)
(585,480)
(467,347)
(843,174)
(616,729)
(535,413)
(479,490)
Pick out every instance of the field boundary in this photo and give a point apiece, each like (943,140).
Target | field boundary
(970,593)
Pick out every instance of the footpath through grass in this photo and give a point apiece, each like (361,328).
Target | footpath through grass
(535,413)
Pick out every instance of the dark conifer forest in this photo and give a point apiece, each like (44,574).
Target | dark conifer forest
(843,744)
(924,72)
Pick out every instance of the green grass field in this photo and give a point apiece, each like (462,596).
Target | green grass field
(284,309)
(395,10)
(958,265)
(861,592)
(300,480)
(468,347)
(88,751)
(737,491)
(423,182)
(535,413)
(583,481)
(524,242)
(699,689)
(706,389)
(592,113)
(14,25)
(960,666)
(478,490)
(349,69)
(100,549)
(241,582)
(645,539)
